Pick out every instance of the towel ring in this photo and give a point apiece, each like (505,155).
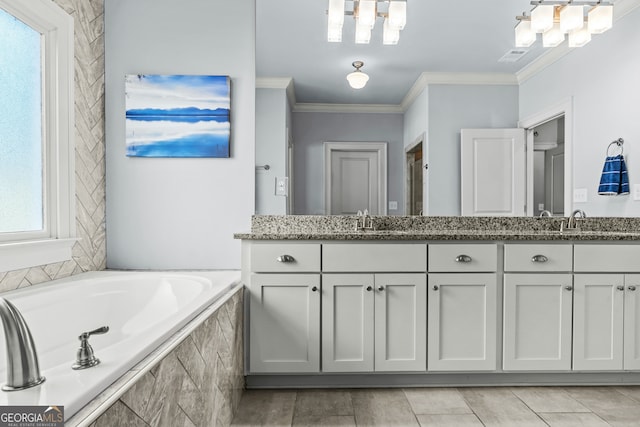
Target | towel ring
(617,142)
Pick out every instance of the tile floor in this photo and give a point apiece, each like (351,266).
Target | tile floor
(455,407)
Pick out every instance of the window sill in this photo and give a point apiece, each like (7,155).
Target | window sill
(18,255)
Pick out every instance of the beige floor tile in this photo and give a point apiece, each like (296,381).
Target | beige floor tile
(599,399)
(323,402)
(630,391)
(500,407)
(265,408)
(319,420)
(436,401)
(449,420)
(548,399)
(384,407)
(585,419)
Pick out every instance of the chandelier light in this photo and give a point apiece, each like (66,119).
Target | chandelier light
(357,79)
(365,14)
(554,19)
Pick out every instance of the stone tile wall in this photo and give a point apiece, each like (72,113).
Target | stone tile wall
(89,253)
(200,383)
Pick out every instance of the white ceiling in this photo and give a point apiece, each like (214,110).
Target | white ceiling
(440,36)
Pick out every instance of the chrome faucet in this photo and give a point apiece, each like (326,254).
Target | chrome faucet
(545,213)
(85,358)
(364,222)
(23,370)
(571,222)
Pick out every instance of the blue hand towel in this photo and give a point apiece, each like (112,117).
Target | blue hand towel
(614,178)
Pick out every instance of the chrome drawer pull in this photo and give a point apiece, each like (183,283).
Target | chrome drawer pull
(539,258)
(463,258)
(285,258)
(569,288)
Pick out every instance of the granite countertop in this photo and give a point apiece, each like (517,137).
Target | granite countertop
(320,227)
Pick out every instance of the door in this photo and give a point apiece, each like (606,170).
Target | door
(347,323)
(400,322)
(462,322)
(535,338)
(632,322)
(598,322)
(414,182)
(355,178)
(493,172)
(285,323)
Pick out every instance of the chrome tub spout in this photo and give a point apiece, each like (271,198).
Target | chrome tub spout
(23,370)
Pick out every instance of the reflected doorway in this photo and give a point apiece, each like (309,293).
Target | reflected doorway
(548,167)
(415,183)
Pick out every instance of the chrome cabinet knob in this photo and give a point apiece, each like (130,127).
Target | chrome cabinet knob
(463,258)
(369,288)
(569,288)
(632,288)
(381,288)
(539,258)
(435,287)
(285,258)
(620,288)
(314,289)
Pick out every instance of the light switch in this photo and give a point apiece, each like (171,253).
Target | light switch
(579,195)
(282,186)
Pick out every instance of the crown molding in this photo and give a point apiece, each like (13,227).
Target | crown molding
(285,83)
(347,108)
(620,10)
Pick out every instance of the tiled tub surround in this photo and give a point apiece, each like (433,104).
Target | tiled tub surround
(342,227)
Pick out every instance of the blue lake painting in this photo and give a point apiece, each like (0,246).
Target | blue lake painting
(177,115)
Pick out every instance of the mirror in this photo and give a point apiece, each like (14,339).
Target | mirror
(600,103)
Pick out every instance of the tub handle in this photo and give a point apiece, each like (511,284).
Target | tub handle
(85,358)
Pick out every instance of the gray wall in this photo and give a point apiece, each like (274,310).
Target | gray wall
(179,213)
(311,130)
(601,80)
(415,126)
(455,107)
(272,121)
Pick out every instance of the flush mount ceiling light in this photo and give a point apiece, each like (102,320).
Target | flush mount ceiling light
(554,19)
(365,13)
(357,79)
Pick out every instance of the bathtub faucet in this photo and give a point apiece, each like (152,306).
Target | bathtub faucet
(85,357)
(23,370)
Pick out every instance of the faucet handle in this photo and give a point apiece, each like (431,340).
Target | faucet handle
(86,335)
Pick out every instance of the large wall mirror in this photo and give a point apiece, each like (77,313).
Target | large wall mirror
(454,67)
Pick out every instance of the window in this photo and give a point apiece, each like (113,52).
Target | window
(37,211)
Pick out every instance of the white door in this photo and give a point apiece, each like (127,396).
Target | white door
(347,322)
(535,338)
(598,322)
(355,178)
(400,322)
(285,323)
(462,322)
(493,172)
(632,322)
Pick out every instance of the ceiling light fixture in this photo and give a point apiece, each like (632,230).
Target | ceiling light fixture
(554,19)
(357,79)
(365,13)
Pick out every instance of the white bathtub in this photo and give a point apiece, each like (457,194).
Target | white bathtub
(142,310)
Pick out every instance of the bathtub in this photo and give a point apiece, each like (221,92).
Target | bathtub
(142,310)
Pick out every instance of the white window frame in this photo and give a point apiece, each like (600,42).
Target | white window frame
(24,250)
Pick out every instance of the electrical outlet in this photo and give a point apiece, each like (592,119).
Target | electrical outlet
(579,195)
(540,206)
(393,206)
(282,186)
(636,191)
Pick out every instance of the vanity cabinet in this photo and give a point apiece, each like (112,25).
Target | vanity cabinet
(373,322)
(462,307)
(538,302)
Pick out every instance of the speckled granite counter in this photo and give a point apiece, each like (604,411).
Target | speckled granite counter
(342,227)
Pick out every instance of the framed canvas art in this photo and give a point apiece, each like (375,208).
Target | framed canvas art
(177,115)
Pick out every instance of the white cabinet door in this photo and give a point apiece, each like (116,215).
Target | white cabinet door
(400,322)
(462,322)
(493,172)
(347,322)
(285,323)
(537,322)
(598,322)
(632,322)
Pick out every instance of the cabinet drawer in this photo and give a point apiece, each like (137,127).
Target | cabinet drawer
(538,257)
(459,258)
(285,257)
(607,258)
(374,257)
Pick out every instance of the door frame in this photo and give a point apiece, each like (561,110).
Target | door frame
(379,147)
(562,108)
